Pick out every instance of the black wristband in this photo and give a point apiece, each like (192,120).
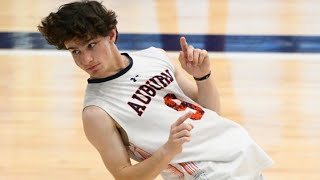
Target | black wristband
(202,78)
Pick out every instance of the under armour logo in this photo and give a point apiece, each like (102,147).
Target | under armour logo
(134,78)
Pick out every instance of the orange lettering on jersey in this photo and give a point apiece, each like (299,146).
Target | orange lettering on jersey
(169,101)
(144,98)
(138,108)
(143,95)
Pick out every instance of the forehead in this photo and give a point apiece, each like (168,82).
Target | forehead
(76,42)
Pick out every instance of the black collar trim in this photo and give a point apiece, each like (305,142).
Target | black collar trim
(120,73)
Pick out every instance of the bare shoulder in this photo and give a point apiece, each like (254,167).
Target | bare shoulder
(93,112)
(96,122)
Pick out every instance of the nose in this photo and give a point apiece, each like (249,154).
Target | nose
(87,58)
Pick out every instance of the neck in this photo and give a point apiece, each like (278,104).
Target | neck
(125,61)
(120,62)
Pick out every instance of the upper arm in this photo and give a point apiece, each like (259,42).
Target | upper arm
(102,133)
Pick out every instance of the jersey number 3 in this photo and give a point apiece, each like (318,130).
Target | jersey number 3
(170,99)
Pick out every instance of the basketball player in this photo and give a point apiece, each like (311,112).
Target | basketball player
(140,105)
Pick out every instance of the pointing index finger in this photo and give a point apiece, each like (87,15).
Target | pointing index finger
(183,118)
(184,45)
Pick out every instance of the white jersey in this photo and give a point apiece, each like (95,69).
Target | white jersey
(145,99)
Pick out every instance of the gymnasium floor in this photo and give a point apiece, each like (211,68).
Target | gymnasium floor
(265,60)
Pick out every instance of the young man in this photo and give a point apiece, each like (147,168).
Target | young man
(140,105)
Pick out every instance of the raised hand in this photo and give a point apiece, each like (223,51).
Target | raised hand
(195,61)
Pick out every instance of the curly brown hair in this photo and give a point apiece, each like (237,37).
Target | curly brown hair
(81,20)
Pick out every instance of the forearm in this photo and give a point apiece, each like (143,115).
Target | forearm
(208,95)
(151,167)
(148,169)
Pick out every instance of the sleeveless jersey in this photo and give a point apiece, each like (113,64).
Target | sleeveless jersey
(145,99)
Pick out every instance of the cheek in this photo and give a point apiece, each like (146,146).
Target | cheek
(100,54)
(77,62)
(105,48)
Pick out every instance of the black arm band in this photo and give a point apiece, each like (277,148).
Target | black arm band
(202,78)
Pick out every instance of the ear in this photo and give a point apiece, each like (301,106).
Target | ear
(113,34)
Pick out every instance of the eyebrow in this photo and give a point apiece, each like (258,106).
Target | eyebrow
(84,43)
(69,48)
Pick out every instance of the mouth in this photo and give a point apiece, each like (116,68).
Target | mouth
(91,68)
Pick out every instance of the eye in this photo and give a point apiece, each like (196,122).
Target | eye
(75,52)
(91,45)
